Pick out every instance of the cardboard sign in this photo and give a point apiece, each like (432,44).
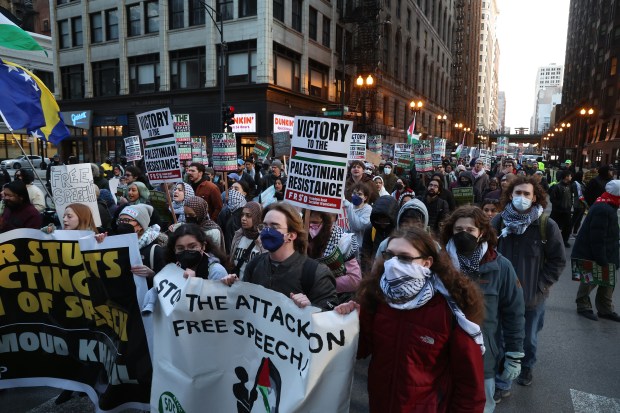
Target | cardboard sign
(318,166)
(358,147)
(133,152)
(463,195)
(161,155)
(281,144)
(74,184)
(160,204)
(261,149)
(265,353)
(224,151)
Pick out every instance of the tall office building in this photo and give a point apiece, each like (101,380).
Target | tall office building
(501,112)
(549,76)
(488,69)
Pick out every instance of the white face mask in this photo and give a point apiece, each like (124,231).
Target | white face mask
(521,203)
(387,170)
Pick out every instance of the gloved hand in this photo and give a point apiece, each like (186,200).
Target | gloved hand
(512,365)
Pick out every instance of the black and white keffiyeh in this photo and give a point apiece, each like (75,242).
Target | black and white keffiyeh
(468,265)
(517,223)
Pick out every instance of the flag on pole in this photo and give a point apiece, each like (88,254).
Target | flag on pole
(13,37)
(411,137)
(28,104)
(460,147)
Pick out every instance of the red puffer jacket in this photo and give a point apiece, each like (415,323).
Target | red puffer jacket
(422,361)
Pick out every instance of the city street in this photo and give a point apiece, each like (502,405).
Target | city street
(577,369)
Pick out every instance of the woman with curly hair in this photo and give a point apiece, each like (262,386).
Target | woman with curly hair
(419,322)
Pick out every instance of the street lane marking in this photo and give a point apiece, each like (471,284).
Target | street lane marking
(591,403)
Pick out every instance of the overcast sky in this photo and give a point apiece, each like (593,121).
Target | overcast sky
(531,33)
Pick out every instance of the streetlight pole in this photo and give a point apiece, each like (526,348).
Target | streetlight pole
(442,121)
(364,85)
(585,113)
(415,107)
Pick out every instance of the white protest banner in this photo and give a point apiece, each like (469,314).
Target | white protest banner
(423,158)
(244,123)
(374,143)
(283,123)
(264,353)
(281,144)
(358,147)
(161,156)
(261,149)
(74,184)
(132,148)
(181,128)
(318,166)
(224,151)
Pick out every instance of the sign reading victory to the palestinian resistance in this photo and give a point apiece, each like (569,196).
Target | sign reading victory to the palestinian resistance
(358,147)
(224,151)
(133,151)
(257,350)
(161,156)
(74,184)
(70,317)
(318,166)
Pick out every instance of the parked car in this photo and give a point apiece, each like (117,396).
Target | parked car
(21,162)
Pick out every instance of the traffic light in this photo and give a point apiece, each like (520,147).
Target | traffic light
(228,115)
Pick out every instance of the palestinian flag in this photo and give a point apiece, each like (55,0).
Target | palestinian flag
(269,385)
(13,37)
(411,137)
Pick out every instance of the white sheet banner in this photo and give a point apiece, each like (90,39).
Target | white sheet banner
(247,347)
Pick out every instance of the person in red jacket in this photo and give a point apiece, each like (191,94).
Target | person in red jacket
(205,189)
(426,352)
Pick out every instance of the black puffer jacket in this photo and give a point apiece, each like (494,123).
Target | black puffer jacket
(386,208)
(598,237)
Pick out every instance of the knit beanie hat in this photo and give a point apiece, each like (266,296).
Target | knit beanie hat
(613,187)
(140,212)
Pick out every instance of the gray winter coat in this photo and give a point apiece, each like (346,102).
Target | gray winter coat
(538,265)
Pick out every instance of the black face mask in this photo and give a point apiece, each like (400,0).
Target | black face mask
(399,186)
(125,229)
(189,258)
(465,243)
(465,183)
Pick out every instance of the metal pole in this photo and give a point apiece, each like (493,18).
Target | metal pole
(222,71)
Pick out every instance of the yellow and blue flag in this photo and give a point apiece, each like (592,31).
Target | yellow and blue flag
(28,104)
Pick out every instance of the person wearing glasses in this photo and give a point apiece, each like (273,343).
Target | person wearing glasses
(246,243)
(286,268)
(419,322)
(471,243)
(190,249)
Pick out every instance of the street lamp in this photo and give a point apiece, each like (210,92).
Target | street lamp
(583,137)
(416,107)
(364,84)
(442,121)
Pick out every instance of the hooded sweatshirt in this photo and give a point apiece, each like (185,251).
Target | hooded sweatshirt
(414,204)
(469,176)
(386,208)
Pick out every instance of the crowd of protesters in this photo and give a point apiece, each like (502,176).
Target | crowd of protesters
(450,269)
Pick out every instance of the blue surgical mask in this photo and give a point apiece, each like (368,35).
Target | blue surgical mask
(272,240)
(521,203)
(356,200)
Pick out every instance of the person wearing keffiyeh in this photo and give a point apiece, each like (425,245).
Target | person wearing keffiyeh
(229,218)
(247,237)
(597,241)
(180,191)
(537,255)
(419,321)
(470,241)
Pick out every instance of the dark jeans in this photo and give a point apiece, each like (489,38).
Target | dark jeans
(562,218)
(576,219)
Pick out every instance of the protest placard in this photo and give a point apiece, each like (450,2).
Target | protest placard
(318,166)
(133,152)
(159,202)
(185,151)
(77,325)
(373,158)
(485,156)
(423,158)
(161,156)
(224,151)
(463,195)
(74,184)
(439,146)
(281,144)
(387,150)
(501,149)
(402,155)
(278,357)
(181,128)
(261,149)
(374,143)
(358,147)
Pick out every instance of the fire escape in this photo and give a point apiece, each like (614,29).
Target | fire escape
(458,88)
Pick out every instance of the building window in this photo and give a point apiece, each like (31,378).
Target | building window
(64,38)
(247,8)
(395,115)
(287,68)
(409,20)
(96,28)
(106,78)
(76,32)
(177,14)
(111,21)
(133,20)
(151,17)
(188,68)
(397,58)
(225,9)
(196,13)
(317,82)
(144,73)
(241,67)
(398,8)
(72,78)
(312,23)
(613,66)
(327,32)
(296,13)
(278,10)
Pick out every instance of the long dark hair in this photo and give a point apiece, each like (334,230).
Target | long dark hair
(196,232)
(317,245)
(463,290)
(481,221)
